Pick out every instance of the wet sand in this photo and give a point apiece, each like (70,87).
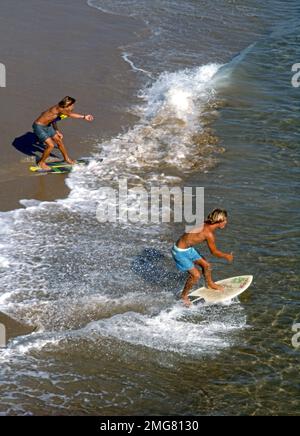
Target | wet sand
(13,328)
(53,49)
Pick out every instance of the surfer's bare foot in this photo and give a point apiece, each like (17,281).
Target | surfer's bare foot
(216,287)
(71,161)
(44,166)
(186,301)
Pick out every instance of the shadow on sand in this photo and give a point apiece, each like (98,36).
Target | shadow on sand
(29,144)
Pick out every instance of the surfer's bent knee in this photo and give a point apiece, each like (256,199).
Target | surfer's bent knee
(56,139)
(50,145)
(195,275)
(208,266)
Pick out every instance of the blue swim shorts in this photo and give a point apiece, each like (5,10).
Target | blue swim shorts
(43,132)
(185,258)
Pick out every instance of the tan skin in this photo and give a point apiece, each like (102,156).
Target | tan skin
(188,240)
(48,117)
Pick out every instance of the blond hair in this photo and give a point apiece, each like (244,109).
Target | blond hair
(67,101)
(216,216)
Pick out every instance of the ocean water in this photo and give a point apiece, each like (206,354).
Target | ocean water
(215,107)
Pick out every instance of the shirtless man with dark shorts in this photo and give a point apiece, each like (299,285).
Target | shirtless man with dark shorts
(45,128)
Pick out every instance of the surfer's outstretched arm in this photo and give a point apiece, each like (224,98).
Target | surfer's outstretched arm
(81,117)
(211,242)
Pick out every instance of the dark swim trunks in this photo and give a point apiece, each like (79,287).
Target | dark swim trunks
(43,132)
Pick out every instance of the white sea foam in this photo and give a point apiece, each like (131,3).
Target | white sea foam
(27,344)
(126,57)
(172,330)
(170,117)
(4,298)
(4,263)
(183,94)
(123,7)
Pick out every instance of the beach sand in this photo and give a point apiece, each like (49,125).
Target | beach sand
(50,50)
(13,328)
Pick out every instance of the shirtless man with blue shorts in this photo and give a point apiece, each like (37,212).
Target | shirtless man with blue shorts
(188,259)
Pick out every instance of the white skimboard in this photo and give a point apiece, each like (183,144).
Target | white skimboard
(234,286)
